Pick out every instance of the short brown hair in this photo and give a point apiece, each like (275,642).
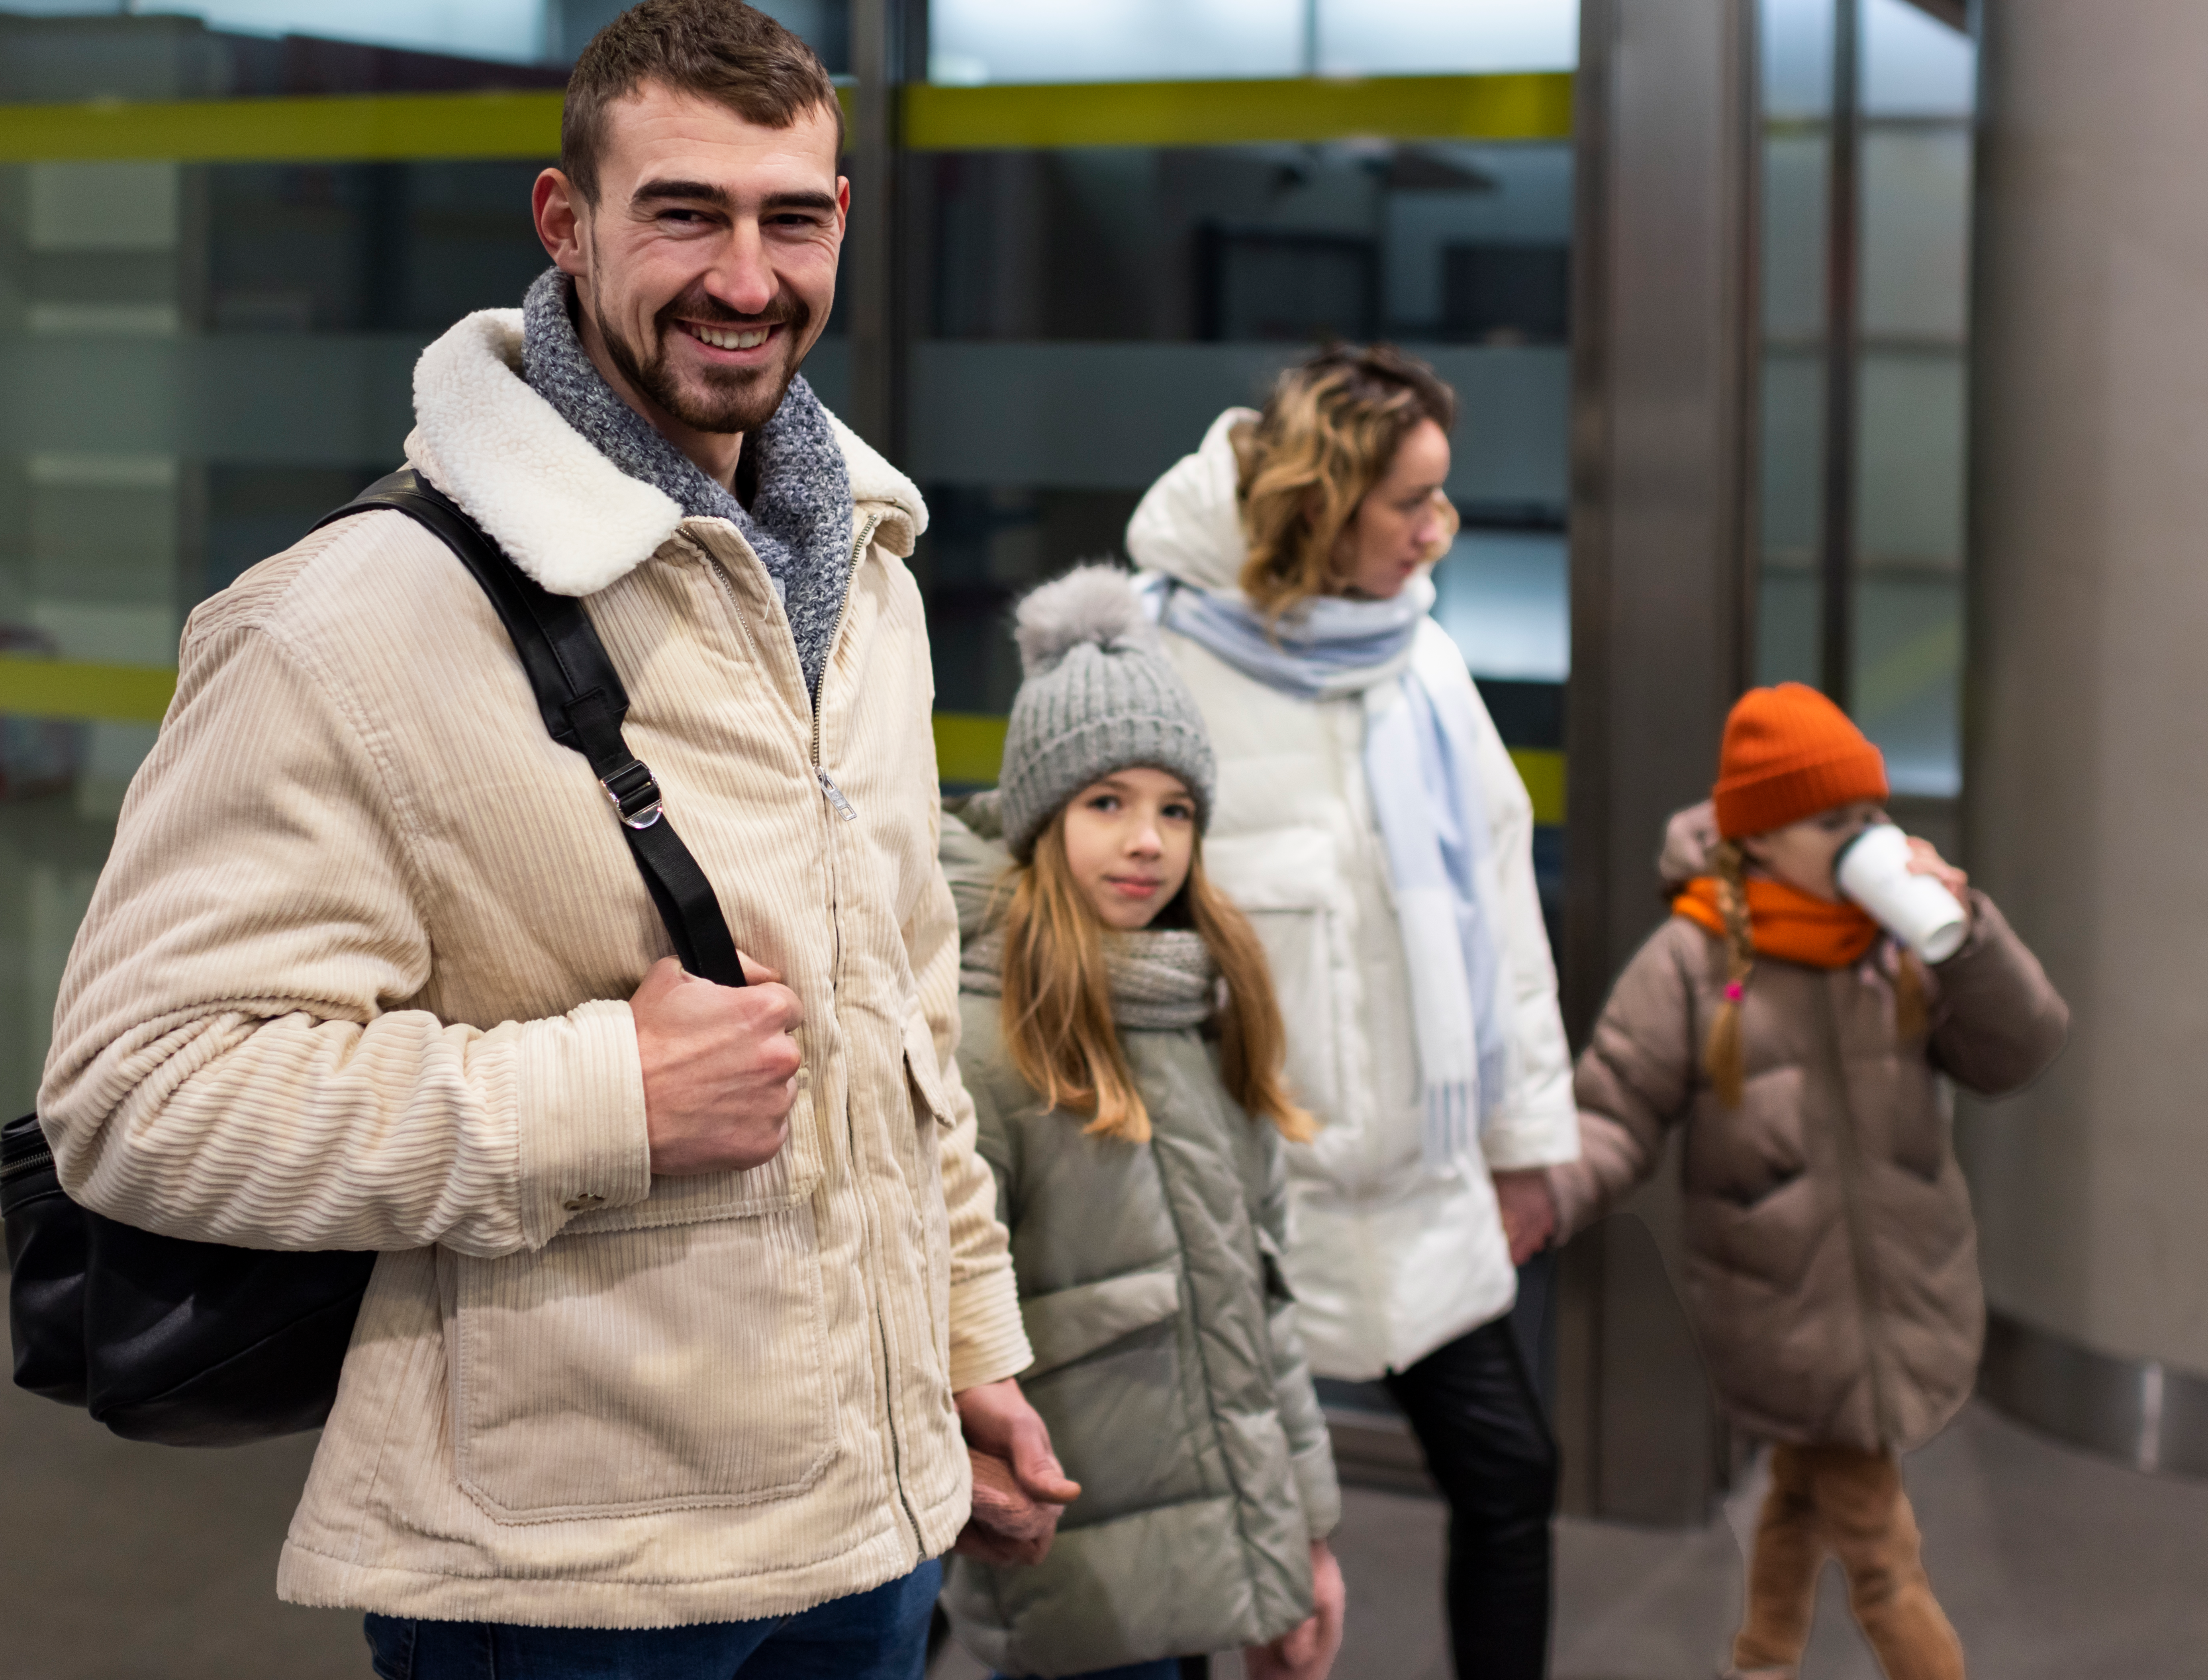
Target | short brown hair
(719,49)
(1327,434)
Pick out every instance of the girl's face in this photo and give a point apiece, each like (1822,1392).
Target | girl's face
(1128,841)
(1402,520)
(1801,854)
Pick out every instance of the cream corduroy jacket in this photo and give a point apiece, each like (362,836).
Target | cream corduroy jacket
(356,976)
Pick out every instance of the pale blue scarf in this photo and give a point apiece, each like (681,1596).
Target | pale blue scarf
(1421,770)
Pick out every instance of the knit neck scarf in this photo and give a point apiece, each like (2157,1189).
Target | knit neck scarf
(1786,923)
(1422,775)
(1163,980)
(800,523)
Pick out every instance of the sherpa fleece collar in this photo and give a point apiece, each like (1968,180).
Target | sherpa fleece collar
(570,518)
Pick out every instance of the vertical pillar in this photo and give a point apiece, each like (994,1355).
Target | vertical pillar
(889,42)
(2085,794)
(1662,321)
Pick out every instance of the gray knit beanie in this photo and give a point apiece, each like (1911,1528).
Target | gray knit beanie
(1099,695)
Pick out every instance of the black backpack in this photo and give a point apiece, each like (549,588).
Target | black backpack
(203,1344)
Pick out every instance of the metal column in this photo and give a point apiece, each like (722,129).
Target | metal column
(1663,326)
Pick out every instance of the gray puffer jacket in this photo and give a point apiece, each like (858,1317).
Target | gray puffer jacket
(1167,1361)
(1831,1271)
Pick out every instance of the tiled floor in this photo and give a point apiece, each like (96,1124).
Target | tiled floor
(128,1563)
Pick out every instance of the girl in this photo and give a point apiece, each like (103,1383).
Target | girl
(1831,1273)
(1375,830)
(1123,1050)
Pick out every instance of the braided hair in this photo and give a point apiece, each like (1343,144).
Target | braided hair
(1723,1059)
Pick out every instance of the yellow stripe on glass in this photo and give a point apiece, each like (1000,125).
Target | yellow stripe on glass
(385,127)
(970,746)
(73,689)
(1533,106)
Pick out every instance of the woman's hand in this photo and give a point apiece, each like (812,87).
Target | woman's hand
(1925,859)
(1307,1651)
(1528,1209)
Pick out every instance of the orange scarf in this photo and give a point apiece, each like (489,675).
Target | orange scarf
(1785,922)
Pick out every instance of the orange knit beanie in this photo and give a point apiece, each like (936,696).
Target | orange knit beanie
(1790,752)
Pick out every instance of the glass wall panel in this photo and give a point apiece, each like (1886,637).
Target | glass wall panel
(1796,39)
(1089,312)
(1912,263)
(1918,76)
(977,41)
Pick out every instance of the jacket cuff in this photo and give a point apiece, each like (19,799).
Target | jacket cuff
(579,1095)
(988,1342)
(1318,1488)
(1513,1145)
(1572,1189)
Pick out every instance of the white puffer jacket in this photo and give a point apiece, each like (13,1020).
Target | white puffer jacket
(1390,1259)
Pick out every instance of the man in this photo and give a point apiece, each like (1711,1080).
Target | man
(685,1292)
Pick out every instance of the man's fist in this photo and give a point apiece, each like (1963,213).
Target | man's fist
(720,1067)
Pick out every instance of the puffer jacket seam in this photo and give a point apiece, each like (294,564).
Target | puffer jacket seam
(1243,1501)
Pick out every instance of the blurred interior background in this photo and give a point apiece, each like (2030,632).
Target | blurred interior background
(1701,272)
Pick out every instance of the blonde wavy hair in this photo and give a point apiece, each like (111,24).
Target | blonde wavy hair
(1327,435)
(1057,1005)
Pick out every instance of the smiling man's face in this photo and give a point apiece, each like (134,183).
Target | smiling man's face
(707,268)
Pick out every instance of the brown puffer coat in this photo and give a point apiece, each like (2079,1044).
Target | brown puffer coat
(1831,1271)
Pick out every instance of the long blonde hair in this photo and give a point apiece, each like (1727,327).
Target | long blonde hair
(1724,1059)
(1058,1021)
(1327,433)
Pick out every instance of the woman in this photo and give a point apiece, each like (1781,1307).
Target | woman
(1372,826)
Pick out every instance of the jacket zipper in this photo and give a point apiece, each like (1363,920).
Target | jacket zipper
(834,795)
(844,809)
(1858,1235)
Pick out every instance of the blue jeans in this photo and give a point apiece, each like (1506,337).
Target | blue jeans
(877,1635)
(1165,1668)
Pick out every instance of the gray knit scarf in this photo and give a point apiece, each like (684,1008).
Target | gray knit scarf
(1163,980)
(799,523)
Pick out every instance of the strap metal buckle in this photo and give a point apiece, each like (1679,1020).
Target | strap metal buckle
(634,795)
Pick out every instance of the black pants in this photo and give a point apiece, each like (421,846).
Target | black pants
(1474,1407)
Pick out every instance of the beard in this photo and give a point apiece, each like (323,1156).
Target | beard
(712,399)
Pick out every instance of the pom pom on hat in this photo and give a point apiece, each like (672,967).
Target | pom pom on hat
(1089,604)
(1099,696)
(1790,752)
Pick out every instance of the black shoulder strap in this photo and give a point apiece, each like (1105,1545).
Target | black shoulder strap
(583,703)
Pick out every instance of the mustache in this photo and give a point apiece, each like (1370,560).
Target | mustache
(696,304)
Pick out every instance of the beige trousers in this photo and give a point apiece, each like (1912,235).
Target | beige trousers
(1849,1504)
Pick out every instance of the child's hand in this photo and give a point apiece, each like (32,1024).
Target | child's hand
(1528,1209)
(1018,1483)
(1925,859)
(1307,1651)
(1007,1527)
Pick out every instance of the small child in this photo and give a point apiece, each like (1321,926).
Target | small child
(1124,1050)
(1831,1260)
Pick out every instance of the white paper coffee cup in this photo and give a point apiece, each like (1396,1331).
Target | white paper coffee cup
(1873,869)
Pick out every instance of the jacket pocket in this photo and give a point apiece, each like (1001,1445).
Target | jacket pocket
(1070,1324)
(651,1365)
(926,1072)
(1284,881)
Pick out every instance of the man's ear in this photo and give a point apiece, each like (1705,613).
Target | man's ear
(561,215)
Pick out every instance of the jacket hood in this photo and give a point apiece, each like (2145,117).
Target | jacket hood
(572,520)
(1189,524)
(975,858)
(1688,838)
